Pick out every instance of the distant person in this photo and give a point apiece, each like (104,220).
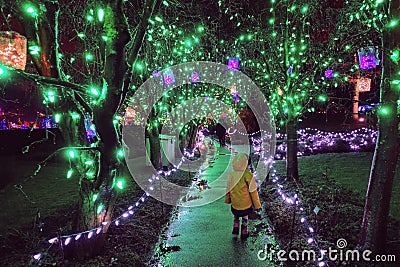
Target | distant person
(4,124)
(221,132)
(241,194)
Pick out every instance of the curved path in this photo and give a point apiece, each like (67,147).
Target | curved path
(201,235)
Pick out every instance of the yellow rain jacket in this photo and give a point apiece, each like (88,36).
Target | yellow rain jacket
(241,187)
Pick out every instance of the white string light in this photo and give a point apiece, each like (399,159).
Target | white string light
(256,143)
(66,239)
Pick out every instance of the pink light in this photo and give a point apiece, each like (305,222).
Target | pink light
(168,77)
(329,73)
(195,77)
(368,57)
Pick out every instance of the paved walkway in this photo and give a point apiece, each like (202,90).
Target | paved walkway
(201,235)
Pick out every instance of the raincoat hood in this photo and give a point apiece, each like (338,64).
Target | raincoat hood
(240,162)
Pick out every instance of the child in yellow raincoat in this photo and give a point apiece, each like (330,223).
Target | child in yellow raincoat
(241,193)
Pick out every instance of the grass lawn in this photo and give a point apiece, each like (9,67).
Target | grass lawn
(348,169)
(49,192)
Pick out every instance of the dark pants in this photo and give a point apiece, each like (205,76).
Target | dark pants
(221,139)
(241,213)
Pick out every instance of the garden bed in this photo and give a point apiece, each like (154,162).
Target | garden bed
(338,214)
(130,244)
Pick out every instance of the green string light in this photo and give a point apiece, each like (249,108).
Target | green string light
(100,14)
(120,153)
(69,173)
(100,208)
(94,91)
(57,117)
(395,56)
(71,154)
(3,71)
(384,111)
(34,50)
(322,98)
(31,10)
(120,184)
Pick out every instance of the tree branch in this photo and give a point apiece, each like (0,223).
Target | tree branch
(50,81)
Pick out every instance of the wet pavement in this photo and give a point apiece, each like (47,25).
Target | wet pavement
(201,235)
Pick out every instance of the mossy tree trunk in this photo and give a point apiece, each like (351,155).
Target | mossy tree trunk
(373,233)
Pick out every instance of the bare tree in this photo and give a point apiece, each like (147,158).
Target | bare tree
(83,51)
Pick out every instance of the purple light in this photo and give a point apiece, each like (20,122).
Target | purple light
(195,77)
(313,141)
(290,70)
(368,57)
(233,63)
(156,73)
(329,73)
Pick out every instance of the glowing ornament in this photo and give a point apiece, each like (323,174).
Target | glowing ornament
(195,77)
(90,128)
(368,57)
(329,73)
(168,77)
(363,85)
(12,49)
(233,63)
(156,73)
(290,70)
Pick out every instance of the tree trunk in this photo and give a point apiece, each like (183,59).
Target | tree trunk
(292,171)
(191,135)
(376,210)
(155,148)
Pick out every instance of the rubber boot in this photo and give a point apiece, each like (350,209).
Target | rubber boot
(245,233)
(235,230)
